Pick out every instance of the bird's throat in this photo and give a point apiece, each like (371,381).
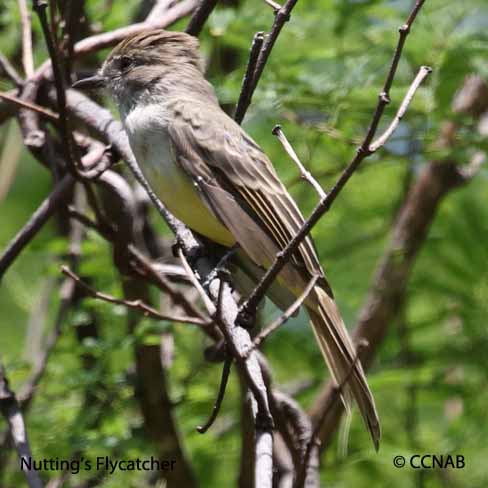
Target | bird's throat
(149,139)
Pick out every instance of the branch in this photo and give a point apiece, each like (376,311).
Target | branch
(178,297)
(281,16)
(35,223)
(306,175)
(238,343)
(301,432)
(380,142)
(257,44)
(247,468)
(159,8)
(248,309)
(138,305)
(274,5)
(194,281)
(292,423)
(286,315)
(200,16)
(29,105)
(9,408)
(27,57)
(8,70)
(237,339)
(220,396)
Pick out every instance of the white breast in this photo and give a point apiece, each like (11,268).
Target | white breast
(147,130)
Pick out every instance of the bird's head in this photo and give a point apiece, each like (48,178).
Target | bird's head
(146,63)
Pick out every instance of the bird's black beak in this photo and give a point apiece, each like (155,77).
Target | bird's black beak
(93,82)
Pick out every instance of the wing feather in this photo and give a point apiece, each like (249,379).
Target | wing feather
(223,155)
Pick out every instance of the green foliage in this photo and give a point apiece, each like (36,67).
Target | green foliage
(321,85)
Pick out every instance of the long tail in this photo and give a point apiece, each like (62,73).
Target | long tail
(340,356)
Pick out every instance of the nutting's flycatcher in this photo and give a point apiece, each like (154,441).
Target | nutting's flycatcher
(211,175)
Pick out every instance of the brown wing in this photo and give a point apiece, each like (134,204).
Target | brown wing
(226,162)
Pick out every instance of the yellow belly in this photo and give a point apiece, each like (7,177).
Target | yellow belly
(175,189)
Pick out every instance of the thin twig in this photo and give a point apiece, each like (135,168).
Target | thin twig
(200,16)
(39,7)
(35,223)
(194,281)
(29,105)
(286,315)
(178,297)
(256,46)
(306,175)
(27,57)
(274,5)
(281,17)
(248,309)
(89,223)
(380,141)
(10,71)
(138,305)
(220,396)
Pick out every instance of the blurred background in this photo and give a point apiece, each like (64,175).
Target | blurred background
(429,373)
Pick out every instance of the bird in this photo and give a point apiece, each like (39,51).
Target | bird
(216,179)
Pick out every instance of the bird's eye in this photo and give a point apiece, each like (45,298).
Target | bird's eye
(124,63)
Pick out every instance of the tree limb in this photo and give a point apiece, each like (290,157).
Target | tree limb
(200,16)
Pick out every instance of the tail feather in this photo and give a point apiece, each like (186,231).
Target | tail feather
(340,356)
